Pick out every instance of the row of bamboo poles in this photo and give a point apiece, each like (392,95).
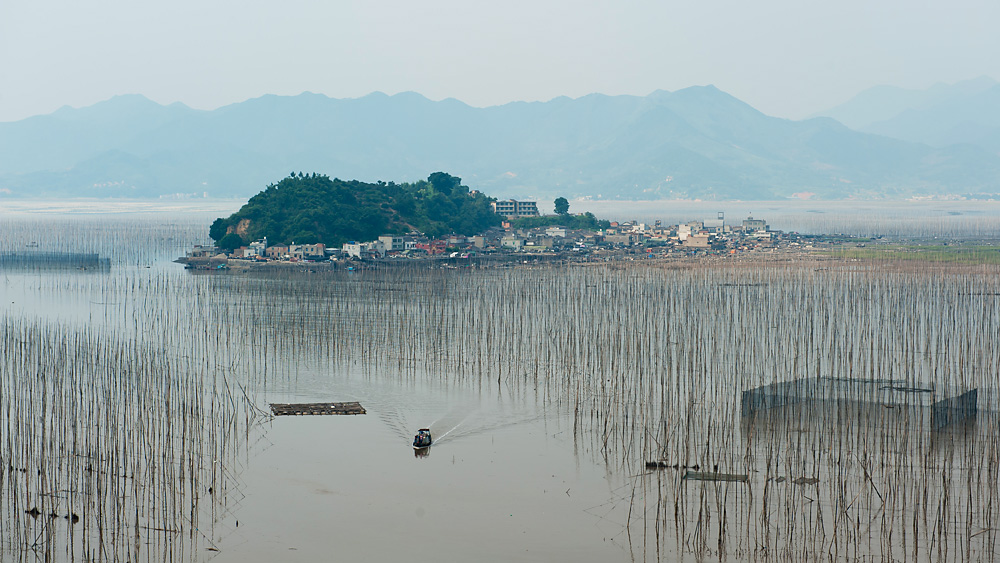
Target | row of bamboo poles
(136,415)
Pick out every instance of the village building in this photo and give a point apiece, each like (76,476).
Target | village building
(353,249)
(392,243)
(539,243)
(277,252)
(512,242)
(698,241)
(513,208)
(306,251)
(202,251)
(620,240)
(257,249)
(433,246)
(751,225)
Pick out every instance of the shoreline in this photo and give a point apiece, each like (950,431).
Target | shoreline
(892,258)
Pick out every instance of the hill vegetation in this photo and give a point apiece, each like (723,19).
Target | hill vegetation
(583,221)
(310,208)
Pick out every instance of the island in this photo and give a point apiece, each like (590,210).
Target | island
(311,219)
(313,208)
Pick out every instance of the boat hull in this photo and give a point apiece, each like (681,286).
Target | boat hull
(422,439)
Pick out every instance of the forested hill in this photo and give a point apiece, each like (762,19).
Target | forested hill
(310,208)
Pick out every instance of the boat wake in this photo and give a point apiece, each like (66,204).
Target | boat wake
(460,422)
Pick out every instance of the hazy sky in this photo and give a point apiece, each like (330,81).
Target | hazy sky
(785,57)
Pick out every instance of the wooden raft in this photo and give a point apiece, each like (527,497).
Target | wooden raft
(285,409)
(713,476)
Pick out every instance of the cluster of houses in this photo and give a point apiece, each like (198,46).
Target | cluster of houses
(385,246)
(694,235)
(710,235)
(261,252)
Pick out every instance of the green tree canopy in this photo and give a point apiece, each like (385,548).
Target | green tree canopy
(584,221)
(562,206)
(308,208)
(230,242)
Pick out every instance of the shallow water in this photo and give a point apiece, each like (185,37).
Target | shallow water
(494,486)
(503,480)
(547,390)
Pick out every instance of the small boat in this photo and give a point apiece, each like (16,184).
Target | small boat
(422,439)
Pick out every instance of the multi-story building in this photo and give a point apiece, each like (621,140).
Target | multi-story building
(353,248)
(753,225)
(276,252)
(392,243)
(514,208)
(256,249)
(306,251)
(513,242)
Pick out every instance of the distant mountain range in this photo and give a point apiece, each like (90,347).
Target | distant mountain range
(942,115)
(693,143)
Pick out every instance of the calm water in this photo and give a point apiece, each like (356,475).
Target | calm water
(504,480)
(137,399)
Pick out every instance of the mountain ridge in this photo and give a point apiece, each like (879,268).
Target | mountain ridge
(698,142)
(940,115)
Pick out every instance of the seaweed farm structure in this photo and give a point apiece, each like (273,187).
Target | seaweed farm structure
(45,260)
(818,410)
(931,405)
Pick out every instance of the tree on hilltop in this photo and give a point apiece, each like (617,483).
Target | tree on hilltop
(562,206)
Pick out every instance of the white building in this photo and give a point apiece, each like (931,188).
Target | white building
(353,249)
(258,248)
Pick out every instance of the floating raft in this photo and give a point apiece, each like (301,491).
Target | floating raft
(712,476)
(298,409)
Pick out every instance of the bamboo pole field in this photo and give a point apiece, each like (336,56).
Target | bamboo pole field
(125,425)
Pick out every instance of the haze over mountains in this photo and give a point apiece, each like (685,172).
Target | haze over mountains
(694,143)
(944,114)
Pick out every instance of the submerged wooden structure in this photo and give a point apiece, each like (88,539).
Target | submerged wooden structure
(715,476)
(300,409)
(935,407)
(45,260)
